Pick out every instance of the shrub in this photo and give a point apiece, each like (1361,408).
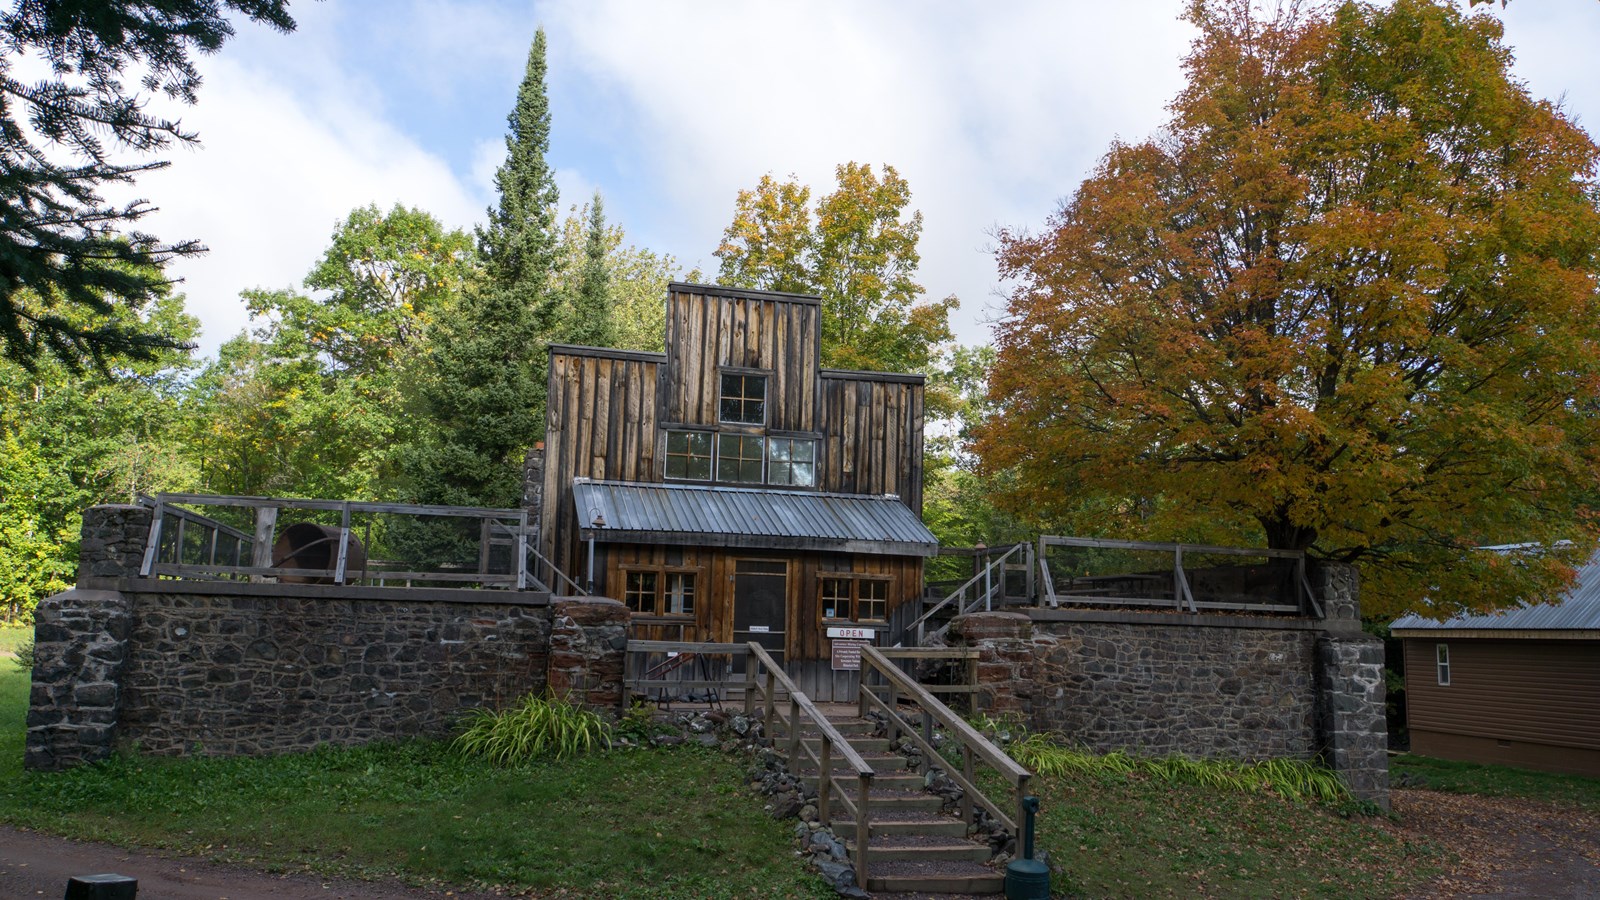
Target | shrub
(538,726)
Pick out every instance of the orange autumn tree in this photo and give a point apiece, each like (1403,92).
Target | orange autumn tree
(1344,302)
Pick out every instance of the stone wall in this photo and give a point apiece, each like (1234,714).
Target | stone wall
(253,670)
(173,667)
(1155,684)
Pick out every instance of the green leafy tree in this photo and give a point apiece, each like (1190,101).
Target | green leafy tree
(313,403)
(481,404)
(73,438)
(590,317)
(635,284)
(71,268)
(859,254)
(1345,303)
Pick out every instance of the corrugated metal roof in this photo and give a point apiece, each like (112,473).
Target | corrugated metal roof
(1579,610)
(717,516)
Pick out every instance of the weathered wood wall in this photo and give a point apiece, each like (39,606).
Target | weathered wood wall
(709,328)
(603,423)
(713,619)
(872,427)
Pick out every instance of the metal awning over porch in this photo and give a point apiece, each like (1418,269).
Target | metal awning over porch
(757,518)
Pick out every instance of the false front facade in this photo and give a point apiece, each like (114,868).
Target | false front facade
(731,489)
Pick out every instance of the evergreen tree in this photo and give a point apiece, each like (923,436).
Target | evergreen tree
(71,270)
(482,400)
(591,324)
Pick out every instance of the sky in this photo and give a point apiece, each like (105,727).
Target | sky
(993,113)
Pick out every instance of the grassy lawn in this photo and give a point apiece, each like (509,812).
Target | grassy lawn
(14,636)
(1499,781)
(1135,836)
(629,824)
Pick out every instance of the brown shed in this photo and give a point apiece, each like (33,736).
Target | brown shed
(733,489)
(1518,688)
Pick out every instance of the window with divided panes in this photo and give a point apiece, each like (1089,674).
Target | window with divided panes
(853,597)
(739,458)
(689,455)
(659,592)
(744,398)
(792,462)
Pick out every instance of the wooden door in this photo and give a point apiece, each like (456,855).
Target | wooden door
(759,614)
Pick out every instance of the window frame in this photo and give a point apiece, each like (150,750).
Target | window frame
(853,609)
(1441,663)
(662,575)
(690,433)
(744,439)
(743,398)
(792,439)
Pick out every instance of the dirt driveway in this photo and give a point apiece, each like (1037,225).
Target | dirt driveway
(1508,848)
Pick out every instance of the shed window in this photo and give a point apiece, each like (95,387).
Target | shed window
(1442,658)
(659,592)
(858,597)
(739,458)
(792,462)
(689,455)
(744,398)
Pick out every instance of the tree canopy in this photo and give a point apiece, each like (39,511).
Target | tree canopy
(1345,302)
(69,260)
(859,254)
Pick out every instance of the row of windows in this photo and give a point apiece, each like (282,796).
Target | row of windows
(741,458)
(668,592)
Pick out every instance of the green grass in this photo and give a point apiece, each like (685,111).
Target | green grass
(14,636)
(1499,781)
(1139,835)
(644,823)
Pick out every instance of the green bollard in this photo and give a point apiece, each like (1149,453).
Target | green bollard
(1027,878)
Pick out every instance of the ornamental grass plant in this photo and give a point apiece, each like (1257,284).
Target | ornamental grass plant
(538,726)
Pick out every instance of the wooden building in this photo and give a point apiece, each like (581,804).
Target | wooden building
(1518,688)
(732,489)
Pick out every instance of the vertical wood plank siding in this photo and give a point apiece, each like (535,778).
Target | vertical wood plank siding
(705,333)
(1513,702)
(607,420)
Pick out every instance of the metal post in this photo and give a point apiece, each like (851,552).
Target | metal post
(588,585)
(988,586)
(522,551)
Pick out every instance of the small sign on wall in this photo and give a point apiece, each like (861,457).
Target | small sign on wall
(847,655)
(853,634)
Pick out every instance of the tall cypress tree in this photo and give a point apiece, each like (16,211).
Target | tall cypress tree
(591,323)
(483,401)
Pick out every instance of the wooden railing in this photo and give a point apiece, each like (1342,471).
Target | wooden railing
(992,578)
(763,679)
(666,666)
(969,655)
(898,686)
(1172,587)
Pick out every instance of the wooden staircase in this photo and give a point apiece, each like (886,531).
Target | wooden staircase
(912,845)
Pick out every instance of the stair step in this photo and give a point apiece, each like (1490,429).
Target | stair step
(896,781)
(863,745)
(934,877)
(881,765)
(922,847)
(936,825)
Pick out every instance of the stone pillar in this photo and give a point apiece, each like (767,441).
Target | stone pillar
(80,646)
(113,544)
(1004,642)
(1352,731)
(588,643)
(1350,716)
(533,479)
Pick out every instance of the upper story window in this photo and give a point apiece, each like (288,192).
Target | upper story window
(792,462)
(739,458)
(744,398)
(689,455)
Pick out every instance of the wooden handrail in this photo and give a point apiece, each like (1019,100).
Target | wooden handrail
(918,624)
(970,740)
(831,740)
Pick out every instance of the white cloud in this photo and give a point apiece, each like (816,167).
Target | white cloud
(277,172)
